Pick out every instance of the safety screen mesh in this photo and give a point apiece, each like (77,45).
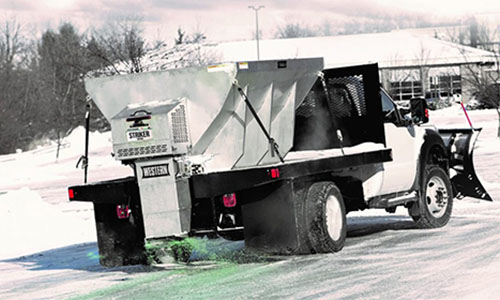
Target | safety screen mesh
(307,107)
(346,96)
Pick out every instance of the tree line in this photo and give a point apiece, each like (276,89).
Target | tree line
(42,92)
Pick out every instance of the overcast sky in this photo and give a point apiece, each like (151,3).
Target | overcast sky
(229,19)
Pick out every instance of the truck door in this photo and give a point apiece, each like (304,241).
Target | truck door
(404,140)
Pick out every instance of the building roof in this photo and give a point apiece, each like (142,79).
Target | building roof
(389,50)
(392,50)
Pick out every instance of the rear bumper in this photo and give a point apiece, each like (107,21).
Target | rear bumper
(117,191)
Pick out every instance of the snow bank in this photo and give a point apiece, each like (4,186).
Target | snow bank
(29,225)
(40,166)
(76,140)
(35,214)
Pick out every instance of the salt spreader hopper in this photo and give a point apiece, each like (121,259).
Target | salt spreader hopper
(199,111)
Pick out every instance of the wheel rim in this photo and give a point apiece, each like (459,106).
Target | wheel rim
(436,197)
(333,217)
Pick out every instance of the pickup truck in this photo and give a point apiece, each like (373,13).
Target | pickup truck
(273,152)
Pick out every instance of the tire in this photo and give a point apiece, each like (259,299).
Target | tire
(325,217)
(433,209)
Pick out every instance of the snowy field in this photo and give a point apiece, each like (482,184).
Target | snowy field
(48,248)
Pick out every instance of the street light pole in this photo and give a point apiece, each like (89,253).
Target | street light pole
(256,9)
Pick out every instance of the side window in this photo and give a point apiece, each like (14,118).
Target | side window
(388,108)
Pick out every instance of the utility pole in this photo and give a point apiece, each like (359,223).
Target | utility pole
(256,9)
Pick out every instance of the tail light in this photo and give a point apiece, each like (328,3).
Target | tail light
(229,200)
(275,173)
(122,211)
(71,194)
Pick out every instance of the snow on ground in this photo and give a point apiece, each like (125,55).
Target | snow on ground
(29,225)
(48,243)
(40,170)
(35,214)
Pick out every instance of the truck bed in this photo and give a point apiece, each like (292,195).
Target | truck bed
(299,164)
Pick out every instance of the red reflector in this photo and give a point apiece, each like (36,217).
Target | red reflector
(275,173)
(71,194)
(122,211)
(229,200)
(426,113)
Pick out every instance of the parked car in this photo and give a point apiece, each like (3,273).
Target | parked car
(437,100)
(474,104)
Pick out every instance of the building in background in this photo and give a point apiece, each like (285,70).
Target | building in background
(411,64)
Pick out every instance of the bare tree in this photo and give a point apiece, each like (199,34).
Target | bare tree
(61,62)
(45,96)
(181,36)
(191,49)
(12,44)
(473,34)
(484,82)
(294,30)
(196,37)
(119,46)
(16,86)
(482,79)
(422,58)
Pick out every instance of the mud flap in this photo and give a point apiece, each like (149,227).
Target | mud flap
(274,219)
(120,240)
(460,144)
(118,218)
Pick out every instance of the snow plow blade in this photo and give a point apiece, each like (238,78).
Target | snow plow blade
(460,145)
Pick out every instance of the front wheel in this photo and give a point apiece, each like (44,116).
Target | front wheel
(325,217)
(433,209)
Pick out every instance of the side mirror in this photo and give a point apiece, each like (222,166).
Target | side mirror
(419,111)
(404,110)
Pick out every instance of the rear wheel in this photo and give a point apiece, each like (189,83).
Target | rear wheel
(325,217)
(433,210)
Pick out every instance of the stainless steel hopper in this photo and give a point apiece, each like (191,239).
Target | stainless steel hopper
(219,123)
